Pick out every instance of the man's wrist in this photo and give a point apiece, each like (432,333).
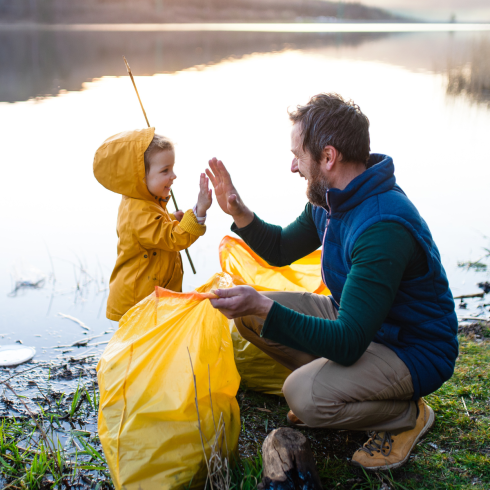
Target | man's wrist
(264,306)
(244,218)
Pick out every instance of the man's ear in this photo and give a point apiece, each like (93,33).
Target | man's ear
(330,156)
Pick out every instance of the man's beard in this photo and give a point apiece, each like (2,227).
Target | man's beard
(316,192)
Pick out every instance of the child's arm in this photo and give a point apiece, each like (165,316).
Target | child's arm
(153,232)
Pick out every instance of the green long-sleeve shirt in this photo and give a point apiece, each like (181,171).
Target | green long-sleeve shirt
(384,255)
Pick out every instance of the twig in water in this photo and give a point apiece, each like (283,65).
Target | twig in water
(73,319)
(47,399)
(79,343)
(98,343)
(474,295)
(24,371)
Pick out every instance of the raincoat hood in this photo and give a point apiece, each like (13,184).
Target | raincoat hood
(119,163)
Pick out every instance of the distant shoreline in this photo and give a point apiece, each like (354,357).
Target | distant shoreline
(351,26)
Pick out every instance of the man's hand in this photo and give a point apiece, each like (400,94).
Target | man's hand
(241,301)
(226,194)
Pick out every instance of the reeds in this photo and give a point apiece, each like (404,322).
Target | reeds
(43,440)
(218,463)
(472,78)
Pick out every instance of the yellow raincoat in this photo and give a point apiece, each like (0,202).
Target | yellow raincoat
(150,238)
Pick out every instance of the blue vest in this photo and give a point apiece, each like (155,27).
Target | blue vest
(421,326)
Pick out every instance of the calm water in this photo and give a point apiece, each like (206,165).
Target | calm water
(222,94)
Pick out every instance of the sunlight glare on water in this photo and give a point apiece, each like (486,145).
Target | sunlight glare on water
(236,110)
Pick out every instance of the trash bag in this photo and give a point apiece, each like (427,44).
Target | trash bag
(259,372)
(148,422)
(240,261)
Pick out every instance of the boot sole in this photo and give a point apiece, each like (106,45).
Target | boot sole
(393,466)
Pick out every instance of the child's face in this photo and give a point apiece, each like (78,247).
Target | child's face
(161,176)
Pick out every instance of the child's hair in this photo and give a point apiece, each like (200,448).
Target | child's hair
(158,142)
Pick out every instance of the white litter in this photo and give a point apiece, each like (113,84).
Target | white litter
(12,355)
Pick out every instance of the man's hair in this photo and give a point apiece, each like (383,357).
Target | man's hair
(328,120)
(158,143)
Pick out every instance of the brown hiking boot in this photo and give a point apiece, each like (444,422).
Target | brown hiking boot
(384,450)
(293,420)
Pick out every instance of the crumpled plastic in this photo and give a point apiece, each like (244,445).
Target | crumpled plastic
(259,372)
(148,422)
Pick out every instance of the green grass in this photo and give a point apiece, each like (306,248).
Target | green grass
(455,454)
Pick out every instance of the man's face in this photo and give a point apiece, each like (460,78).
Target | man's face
(304,164)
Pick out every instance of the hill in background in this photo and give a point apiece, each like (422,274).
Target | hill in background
(130,11)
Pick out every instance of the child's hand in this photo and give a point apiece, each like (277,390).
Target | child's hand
(205,197)
(178,215)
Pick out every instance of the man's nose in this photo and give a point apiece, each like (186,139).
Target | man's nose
(294,166)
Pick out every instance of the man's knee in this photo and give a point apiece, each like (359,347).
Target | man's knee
(249,326)
(299,391)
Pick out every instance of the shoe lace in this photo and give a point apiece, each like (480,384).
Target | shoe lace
(378,443)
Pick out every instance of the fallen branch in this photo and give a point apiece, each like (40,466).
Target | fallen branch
(73,319)
(474,295)
(79,343)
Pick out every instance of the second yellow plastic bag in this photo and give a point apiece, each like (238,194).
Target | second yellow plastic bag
(147,417)
(259,372)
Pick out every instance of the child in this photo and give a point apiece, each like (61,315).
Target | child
(140,166)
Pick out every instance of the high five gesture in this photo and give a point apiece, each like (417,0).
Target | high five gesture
(226,194)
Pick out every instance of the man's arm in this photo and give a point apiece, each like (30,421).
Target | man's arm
(274,244)
(380,260)
(281,246)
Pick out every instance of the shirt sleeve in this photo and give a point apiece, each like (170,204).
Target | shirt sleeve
(379,259)
(281,246)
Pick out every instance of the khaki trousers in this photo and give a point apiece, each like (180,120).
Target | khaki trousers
(373,394)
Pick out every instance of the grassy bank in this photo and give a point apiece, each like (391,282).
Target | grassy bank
(454,454)
(56,445)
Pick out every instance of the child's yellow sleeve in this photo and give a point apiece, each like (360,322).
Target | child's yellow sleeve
(152,231)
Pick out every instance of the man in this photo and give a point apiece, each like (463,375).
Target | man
(363,357)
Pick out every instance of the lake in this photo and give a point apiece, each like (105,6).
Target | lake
(224,94)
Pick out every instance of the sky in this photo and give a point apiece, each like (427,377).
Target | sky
(437,10)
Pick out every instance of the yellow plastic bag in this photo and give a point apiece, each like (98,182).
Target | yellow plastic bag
(147,417)
(259,372)
(238,259)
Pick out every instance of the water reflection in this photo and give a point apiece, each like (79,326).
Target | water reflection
(471,77)
(235,110)
(39,63)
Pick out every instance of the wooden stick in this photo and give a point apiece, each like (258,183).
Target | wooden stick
(146,118)
(474,295)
